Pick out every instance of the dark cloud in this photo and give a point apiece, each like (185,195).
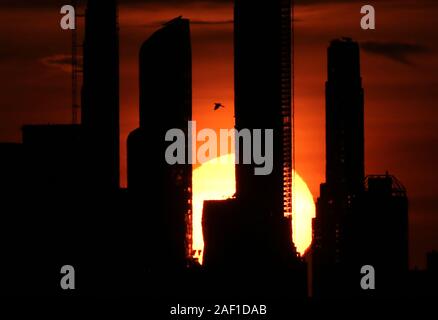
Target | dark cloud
(397,51)
(20,52)
(59,61)
(60,3)
(211,22)
(197,22)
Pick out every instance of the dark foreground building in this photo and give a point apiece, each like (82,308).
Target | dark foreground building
(11,168)
(424,283)
(54,157)
(65,206)
(381,239)
(165,104)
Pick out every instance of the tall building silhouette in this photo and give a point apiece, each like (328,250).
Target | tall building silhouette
(251,236)
(100,94)
(165,104)
(344,118)
(263,97)
(344,166)
(359,221)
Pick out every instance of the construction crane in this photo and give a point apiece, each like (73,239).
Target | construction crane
(76,66)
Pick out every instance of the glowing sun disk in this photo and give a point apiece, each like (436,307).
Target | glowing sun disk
(215,180)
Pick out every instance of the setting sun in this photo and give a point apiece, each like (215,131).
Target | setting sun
(215,180)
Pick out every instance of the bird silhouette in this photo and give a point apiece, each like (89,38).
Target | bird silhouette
(218,105)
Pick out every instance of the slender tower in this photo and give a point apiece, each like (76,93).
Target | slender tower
(100,94)
(337,206)
(344,118)
(263,98)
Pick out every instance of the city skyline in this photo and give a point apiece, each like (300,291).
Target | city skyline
(405,133)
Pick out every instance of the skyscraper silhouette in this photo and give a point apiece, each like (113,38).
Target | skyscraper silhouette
(344,166)
(165,104)
(344,118)
(250,237)
(100,95)
(359,221)
(263,97)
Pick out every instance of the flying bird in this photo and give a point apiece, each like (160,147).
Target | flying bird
(218,105)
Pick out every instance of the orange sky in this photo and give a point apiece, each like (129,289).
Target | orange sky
(400,78)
